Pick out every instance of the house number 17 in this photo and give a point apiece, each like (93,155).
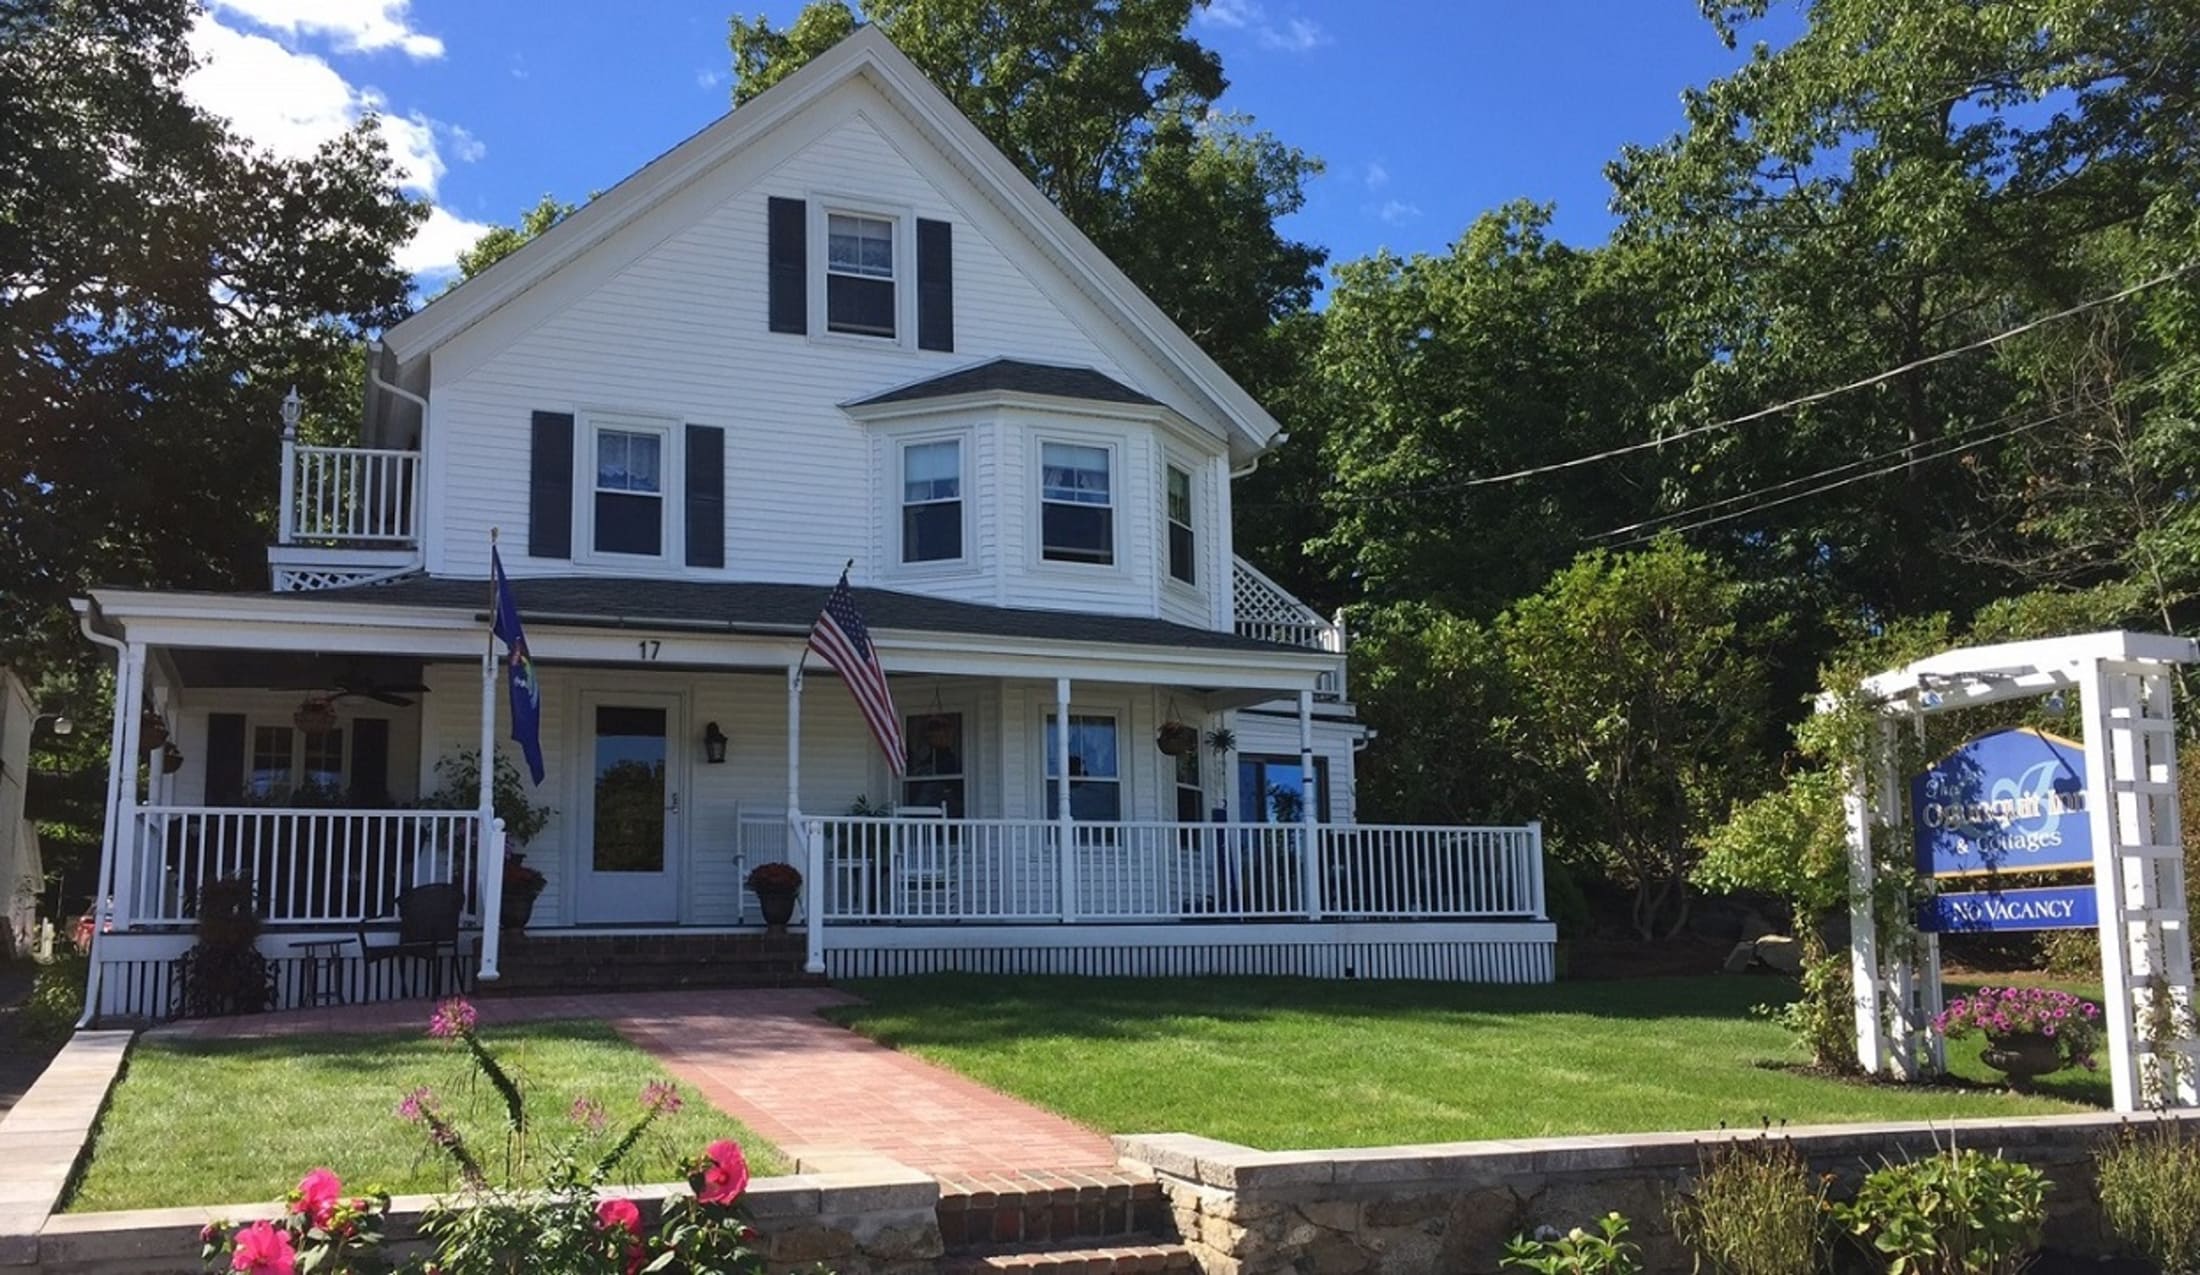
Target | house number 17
(650,647)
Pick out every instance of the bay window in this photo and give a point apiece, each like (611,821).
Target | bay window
(931,502)
(1076,504)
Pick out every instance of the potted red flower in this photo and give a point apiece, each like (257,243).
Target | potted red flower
(522,886)
(775,886)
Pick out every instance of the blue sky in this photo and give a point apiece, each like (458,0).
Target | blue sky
(1426,112)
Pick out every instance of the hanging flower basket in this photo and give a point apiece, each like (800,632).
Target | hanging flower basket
(1177,739)
(939,731)
(315,715)
(152,732)
(171,759)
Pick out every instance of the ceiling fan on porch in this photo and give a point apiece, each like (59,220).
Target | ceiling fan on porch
(366,688)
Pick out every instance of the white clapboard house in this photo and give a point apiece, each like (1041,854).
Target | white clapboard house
(834,325)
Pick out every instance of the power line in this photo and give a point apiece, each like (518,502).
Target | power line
(1946,451)
(1966,437)
(1816,396)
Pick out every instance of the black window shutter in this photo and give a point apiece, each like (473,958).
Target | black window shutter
(935,285)
(789,229)
(370,762)
(706,496)
(224,759)
(550,487)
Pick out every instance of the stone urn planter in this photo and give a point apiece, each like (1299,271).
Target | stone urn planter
(775,886)
(2022,1056)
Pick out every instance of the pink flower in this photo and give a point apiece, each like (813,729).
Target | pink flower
(417,1105)
(588,1114)
(619,1215)
(453,1018)
(661,1097)
(725,1173)
(316,1195)
(264,1249)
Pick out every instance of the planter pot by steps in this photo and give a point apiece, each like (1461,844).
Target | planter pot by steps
(517,908)
(778,908)
(2022,1056)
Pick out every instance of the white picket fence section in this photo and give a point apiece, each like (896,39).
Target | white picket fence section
(1007,870)
(306,866)
(360,496)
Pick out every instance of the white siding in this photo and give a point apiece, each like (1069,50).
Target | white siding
(668,318)
(275,708)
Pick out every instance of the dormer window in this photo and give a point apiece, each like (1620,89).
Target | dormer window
(859,275)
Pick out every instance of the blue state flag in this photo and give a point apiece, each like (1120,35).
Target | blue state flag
(520,671)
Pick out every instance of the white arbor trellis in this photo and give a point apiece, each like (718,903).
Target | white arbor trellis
(2126,683)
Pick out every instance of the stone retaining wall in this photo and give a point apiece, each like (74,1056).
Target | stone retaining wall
(1451,1207)
(857,1214)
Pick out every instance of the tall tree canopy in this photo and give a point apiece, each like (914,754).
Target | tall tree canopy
(502,241)
(1109,110)
(165,283)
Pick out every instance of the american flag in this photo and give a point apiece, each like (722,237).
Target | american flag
(840,636)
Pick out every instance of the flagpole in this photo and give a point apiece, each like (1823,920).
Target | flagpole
(489,858)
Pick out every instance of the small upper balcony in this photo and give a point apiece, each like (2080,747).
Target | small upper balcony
(1267,612)
(346,515)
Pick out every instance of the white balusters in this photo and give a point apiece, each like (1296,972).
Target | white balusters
(351,496)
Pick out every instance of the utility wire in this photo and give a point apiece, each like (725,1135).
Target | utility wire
(1968,436)
(1946,451)
(1816,396)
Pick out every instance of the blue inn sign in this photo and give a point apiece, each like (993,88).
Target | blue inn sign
(2009,801)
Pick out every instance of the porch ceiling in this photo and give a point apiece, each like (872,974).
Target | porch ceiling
(294,670)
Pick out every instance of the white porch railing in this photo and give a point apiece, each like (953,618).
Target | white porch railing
(1266,612)
(1010,870)
(306,866)
(358,496)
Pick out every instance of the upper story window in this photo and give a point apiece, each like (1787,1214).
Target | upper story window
(629,497)
(859,275)
(931,501)
(1183,558)
(1076,504)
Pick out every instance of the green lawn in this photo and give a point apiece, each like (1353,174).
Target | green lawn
(219,1122)
(1282,1064)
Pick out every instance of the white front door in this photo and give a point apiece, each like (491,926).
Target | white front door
(632,772)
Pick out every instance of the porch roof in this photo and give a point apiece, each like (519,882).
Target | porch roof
(758,607)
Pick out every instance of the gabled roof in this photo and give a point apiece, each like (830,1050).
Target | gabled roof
(1016,376)
(868,54)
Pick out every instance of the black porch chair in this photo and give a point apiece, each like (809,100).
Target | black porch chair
(427,932)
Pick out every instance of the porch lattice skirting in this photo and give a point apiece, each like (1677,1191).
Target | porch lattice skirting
(1452,953)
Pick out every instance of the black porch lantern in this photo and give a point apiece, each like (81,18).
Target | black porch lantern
(714,745)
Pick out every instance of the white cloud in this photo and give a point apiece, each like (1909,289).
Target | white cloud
(1291,35)
(1398,212)
(708,79)
(356,26)
(1376,176)
(291,102)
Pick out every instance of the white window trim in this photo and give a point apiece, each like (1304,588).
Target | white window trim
(1123,766)
(253,724)
(965,706)
(822,205)
(1197,588)
(896,488)
(1036,484)
(672,479)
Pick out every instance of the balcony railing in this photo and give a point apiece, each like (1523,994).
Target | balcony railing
(349,497)
(307,867)
(1014,870)
(1266,612)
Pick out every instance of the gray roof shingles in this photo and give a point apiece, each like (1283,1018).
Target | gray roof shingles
(1017,376)
(742,606)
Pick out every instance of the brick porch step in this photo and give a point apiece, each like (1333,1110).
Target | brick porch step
(668,961)
(989,1212)
(1125,1259)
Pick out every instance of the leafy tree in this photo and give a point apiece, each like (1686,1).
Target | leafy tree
(1509,351)
(502,241)
(1441,691)
(1109,110)
(1639,711)
(166,283)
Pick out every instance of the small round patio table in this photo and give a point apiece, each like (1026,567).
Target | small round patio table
(323,970)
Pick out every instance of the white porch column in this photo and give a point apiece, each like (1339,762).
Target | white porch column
(799,841)
(488,838)
(1863,915)
(1310,847)
(490,864)
(1064,827)
(130,706)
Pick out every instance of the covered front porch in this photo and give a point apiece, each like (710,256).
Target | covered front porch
(325,755)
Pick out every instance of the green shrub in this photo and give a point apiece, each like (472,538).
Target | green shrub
(1563,898)
(1755,1210)
(57,998)
(1823,1019)
(1604,1251)
(1959,1213)
(2150,1196)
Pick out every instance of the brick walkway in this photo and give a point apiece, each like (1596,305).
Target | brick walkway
(765,1058)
